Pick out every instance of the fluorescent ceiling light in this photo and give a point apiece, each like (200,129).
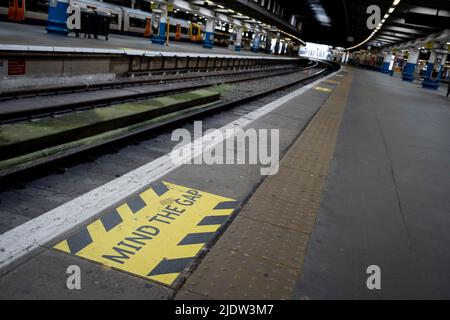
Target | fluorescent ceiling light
(320,13)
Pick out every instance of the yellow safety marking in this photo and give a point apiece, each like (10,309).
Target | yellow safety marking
(331,81)
(156,234)
(323,89)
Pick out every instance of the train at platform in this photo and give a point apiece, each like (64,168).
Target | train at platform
(123,20)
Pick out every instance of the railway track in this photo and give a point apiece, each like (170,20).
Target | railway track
(17,106)
(20,175)
(160,76)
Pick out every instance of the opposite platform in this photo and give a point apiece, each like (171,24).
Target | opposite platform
(22,37)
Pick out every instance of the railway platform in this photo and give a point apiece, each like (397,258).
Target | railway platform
(36,38)
(362,181)
(31,58)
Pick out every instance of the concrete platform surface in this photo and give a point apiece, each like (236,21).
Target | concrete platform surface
(387,197)
(364,183)
(165,269)
(14,36)
(378,183)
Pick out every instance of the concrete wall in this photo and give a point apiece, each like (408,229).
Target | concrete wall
(35,68)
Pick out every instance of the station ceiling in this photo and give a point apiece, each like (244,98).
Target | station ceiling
(342,23)
(250,11)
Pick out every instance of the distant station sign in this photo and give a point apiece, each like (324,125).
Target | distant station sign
(156,234)
(314,50)
(16,67)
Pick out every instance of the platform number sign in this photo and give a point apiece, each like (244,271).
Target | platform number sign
(73,17)
(375,17)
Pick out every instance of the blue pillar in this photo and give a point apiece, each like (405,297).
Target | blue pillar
(208,41)
(428,82)
(408,71)
(57,17)
(386,62)
(160,38)
(160,16)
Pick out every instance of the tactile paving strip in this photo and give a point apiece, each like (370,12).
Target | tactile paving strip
(265,240)
(293,210)
(230,274)
(261,254)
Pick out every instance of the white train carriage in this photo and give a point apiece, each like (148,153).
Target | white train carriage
(35,11)
(134,20)
(180,29)
(116,12)
(123,19)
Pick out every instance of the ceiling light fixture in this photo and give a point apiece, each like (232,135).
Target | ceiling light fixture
(386,16)
(320,13)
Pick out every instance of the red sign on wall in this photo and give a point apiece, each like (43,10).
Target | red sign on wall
(16,67)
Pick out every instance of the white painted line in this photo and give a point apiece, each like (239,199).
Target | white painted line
(100,50)
(134,52)
(26,238)
(13,47)
(116,51)
(40,48)
(63,49)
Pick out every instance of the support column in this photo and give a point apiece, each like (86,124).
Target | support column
(208,42)
(386,62)
(238,42)
(268,44)
(57,17)
(428,81)
(408,72)
(442,67)
(344,57)
(256,41)
(277,44)
(160,17)
(283,48)
(397,56)
(347,56)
